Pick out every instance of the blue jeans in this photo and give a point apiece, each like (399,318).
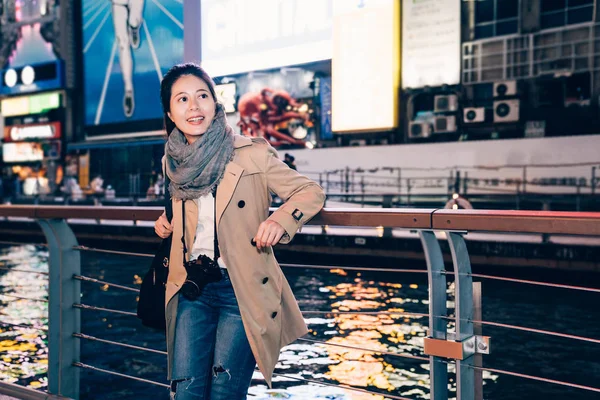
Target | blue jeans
(212,356)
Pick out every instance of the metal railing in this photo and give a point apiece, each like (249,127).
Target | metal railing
(461,349)
(511,184)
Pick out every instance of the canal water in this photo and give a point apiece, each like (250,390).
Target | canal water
(24,352)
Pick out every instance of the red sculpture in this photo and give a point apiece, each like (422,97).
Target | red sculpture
(274,115)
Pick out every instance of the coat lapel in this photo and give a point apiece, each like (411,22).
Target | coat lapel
(233,173)
(231,177)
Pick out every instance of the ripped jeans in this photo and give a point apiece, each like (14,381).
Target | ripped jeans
(212,356)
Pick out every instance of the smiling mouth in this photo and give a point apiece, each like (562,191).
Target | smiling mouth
(196,119)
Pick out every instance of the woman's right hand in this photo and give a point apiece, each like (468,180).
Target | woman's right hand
(162,227)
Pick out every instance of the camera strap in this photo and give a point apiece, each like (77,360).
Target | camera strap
(183,229)
(217,254)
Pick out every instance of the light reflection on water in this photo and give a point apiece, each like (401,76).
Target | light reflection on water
(23,351)
(360,364)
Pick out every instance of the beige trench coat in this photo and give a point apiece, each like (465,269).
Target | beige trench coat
(269,311)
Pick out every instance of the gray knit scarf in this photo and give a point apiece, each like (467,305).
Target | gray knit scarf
(196,169)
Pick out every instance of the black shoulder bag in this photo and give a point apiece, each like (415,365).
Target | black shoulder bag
(151,305)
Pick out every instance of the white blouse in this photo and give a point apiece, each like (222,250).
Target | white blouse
(205,235)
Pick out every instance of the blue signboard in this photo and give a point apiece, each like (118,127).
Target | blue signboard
(128,45)
(325,97)
(29,42)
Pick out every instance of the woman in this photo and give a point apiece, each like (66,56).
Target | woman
(215,340)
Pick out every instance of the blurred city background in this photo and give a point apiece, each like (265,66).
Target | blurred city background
(403,103)
(459,104)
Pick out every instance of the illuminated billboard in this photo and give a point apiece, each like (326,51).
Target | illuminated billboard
(365,66)
(241,35)
(32,104)
(29,46)
(16,133)
(430,43)
(22,152)
(128,45)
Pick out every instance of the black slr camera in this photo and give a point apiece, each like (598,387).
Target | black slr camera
(201,271)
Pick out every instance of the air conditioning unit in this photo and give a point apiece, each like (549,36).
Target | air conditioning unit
(473,115)
(419,130)
(444,123)
(445,103)
(506,110)
(357,142)
(505,88)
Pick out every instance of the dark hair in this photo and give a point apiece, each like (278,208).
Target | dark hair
(169,80)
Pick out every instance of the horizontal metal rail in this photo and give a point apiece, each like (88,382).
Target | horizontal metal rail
(420,315)
(362,269)
(404,313)
(130,346)
(537,378)
(90,367)
(122,253)
(550,222)
(23,270)
(387,353)
(108,310)
(342,386)
(525,329)
(539,283)
(541,331)
(94,280)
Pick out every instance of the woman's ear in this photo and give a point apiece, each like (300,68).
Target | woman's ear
(169,115)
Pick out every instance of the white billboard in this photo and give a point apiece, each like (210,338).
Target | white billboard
(430,43)
(241,35)
(365,66)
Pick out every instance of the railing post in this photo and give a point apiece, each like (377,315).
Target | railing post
(437,311)
(478,330)
(463,300)
(362,191)
(63,318)
(457,182)
(399,181)
(593,180)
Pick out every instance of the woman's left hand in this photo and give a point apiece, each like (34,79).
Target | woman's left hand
(269,233)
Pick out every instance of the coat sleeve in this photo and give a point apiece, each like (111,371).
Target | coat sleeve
(303,198)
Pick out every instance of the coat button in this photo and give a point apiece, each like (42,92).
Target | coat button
(274,314)
(241,204)
(265,280)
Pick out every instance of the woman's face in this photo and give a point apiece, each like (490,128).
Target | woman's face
(192,106)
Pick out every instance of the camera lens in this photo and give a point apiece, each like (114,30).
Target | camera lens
(190,290)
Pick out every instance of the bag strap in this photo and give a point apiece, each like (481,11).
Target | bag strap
(167,194)
(183,229)
(168,200)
